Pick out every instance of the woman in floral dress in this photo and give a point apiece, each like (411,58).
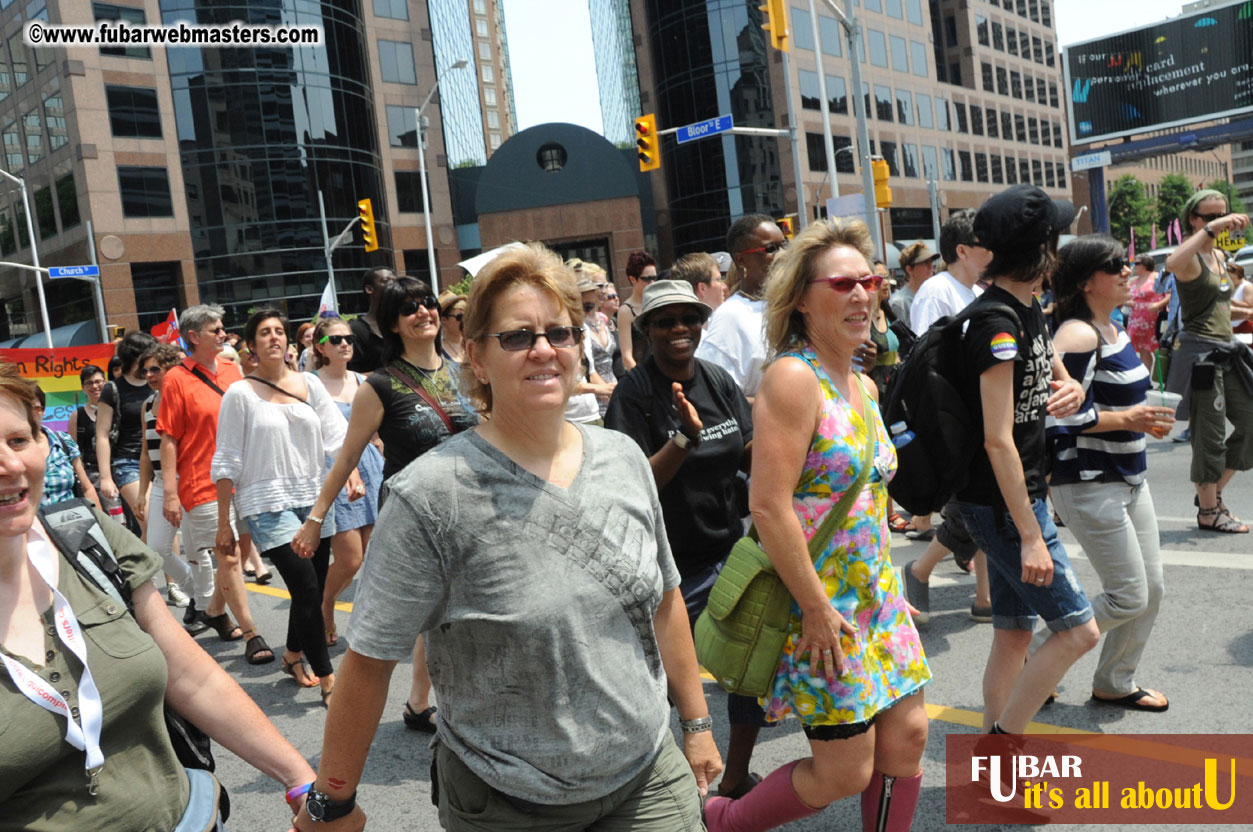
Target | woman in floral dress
(1145,306)
(853,668)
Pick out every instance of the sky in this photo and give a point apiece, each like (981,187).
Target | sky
(554,72)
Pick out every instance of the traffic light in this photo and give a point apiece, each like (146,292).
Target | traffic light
(787,225)
(776,24)
(369,236)
(646,142)
(882,193)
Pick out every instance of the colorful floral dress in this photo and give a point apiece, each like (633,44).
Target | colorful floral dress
(1142,326)
(883,660)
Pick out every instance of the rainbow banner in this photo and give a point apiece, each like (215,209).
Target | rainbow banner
(56,372)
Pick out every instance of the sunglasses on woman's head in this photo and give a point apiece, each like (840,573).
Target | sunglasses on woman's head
(516,340)
(411,306)
(336,340)
(1209,217)
(844,284)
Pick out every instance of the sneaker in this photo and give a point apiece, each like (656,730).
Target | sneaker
(177,597)
(917,593)
(981,614)
(1186,436)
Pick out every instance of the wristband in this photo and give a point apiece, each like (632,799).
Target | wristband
(317,520)
(294,794)
(1210,232)
(696,726)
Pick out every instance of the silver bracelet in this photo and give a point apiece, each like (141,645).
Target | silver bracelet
(696,726)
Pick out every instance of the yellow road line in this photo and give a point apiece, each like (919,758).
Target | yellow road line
(941,713)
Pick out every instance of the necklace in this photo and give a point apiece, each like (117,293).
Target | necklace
(425,373)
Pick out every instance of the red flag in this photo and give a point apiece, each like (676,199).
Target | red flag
(167,331)
(1131,249)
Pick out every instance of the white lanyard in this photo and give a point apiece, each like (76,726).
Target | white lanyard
(85,737)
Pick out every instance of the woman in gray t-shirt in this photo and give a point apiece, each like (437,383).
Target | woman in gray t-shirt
(532,555)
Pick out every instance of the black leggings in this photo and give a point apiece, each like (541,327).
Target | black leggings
(305,579)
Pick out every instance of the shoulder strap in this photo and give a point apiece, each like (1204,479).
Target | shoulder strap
(72,527)
(274,386)
(424,395)
(199,373)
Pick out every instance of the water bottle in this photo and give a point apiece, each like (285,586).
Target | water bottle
(901,434)
(114,510)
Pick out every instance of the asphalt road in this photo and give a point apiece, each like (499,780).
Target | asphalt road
(1200,657)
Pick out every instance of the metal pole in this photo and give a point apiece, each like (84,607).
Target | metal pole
(828,141)
(802,216)
(933,191)
(101,320)
(426,205)
(34,257)
(326,243)
(853,31)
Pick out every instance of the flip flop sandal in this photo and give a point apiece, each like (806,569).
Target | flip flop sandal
(1134,701)
(332,636)
(1223,523)
(415,721)
(326,697)
(899,524)
(256,645)
(227,630)
(290,669)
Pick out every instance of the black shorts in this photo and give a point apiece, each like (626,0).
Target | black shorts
(845,731)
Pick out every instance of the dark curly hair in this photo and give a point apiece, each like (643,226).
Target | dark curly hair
(637,262)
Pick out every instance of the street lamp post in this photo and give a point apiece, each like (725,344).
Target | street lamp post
(426,196)
(34,255)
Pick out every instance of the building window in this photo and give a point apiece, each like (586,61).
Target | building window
(955,74)
(493,120)
(396,62)
(1050,54)
(981,30)
(1033,131)
(918,52)
(145,192)
(14,158)
(1011,171)
(480,27)
(905,107)
(837,92)
(1037,49)
(802,30)
(998,37)
(874,5)
(924,111)
(883,102)
(893,9)
(991,122)
(408,192)
(133,112)
(493,140)
(930,163)
(976,120)
(998,175)
(1007,126)
(816,151)
(395,9)
(889,156)
(485,50)
(1030,87)
(981,167)
(136,17)
(913,11)
(54,117)
(1050,178)
(900,54)
(1002,81)
(941,115)
(1046,16)
(1024,171)
(1039,90)
(1037,175)
(489,74)
(67,199)
(959,110)
(551,157)
(1011,40)
(156,287)
(1020,128)
(829,32)
(45,214)
(810,100)
(489,96)
(480,6)
(32,126)
(950,31)
(402,126)
(1034,10)
(1057,136)
(989,85)
(909,160)
(1061,175)
(878,48)
(950,172)
(19,61)
(967,169)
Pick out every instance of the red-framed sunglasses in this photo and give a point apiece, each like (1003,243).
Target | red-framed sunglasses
(844,283)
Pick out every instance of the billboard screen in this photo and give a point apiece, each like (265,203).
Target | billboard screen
(1180,71)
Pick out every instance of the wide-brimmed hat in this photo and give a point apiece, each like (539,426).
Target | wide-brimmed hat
(663,293)
(1021,215)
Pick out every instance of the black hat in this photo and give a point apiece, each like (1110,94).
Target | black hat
(1021,215)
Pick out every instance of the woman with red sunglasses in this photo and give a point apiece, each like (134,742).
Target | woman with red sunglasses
(853,668)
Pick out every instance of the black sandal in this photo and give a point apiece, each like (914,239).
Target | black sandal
(415,721)
(256,645)
(1223,523)
(227,630)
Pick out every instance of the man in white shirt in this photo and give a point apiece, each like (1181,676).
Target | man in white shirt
(918,263)
(944,295)
(702,272)
(735,337)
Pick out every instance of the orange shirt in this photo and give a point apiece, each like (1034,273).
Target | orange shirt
(189,416)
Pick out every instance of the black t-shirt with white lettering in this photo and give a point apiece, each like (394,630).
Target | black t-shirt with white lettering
(699,505)
(990,339)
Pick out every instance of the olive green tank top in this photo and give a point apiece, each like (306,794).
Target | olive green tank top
(1205,303)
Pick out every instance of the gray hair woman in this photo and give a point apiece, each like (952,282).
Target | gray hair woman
(528,544)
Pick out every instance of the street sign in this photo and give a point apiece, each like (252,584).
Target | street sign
(73,271)
(1100,159)
(703,129)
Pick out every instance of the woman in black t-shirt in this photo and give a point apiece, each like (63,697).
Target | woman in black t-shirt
(83,420)
(409,422)
(695,426)
(119,462)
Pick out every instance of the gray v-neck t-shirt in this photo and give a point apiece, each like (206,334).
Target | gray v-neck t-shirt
(537,603)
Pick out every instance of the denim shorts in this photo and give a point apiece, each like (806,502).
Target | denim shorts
(272,529)
(125,471)
(1015,604)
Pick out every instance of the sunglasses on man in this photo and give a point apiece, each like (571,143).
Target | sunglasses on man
(768,248)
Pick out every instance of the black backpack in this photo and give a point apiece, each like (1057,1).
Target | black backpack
(926,395)
(73,527)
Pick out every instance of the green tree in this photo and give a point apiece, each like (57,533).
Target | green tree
(1233,199)
(1129,208)
(1172,193)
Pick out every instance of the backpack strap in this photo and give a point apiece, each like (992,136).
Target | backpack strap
(199,373)
(75,531)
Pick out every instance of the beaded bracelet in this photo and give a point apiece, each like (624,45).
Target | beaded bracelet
(293,794)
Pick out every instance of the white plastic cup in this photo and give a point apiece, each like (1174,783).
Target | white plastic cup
(1163,398)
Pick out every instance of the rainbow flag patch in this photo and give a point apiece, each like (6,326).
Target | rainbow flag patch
(1004,346)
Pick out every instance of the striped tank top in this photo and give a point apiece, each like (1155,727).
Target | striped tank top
(152,439)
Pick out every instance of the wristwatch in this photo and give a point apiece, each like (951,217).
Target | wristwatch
(686,442)
(1210,232)
(322,807)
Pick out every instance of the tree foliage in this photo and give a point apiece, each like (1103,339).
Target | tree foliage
(1172,193)
(1129,208)
(1233,197)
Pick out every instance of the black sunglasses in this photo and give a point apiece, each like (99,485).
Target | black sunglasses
(1114,266)
(589,307)
(458,317)
(1209,217)
(412,305)
(689,320)
(647,278)
(516,340)
(336,340)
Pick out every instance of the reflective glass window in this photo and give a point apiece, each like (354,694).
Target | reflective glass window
(900,54)
(1011,40)
(998,36)
(1024,171)
(930,163)
(837,93)
(14,157)
(157,291)
(874,5)
(981,167)
(45,214)
(1061,174)
(889,155)
(19,62)
(485,50)
(489,96)
(924,111)
(808,83)
(54,117)
(981,30)
(67,198)
(145,191)
(989,82)
(493,120)
(998,175)
(941,114)
(832,36)
(905,107)
(976,120)
(489,74)
(395,9)
(878,48)
(893,9)
(816,151)
(32,125)
(959,110)
(408,192)
(133,111)
(480,27)
(396,62)
(1037,175)
(967,169)
(1011,171)
(992,123)
(1015,84)
(802,29)
(1049,178)
(1033,130)
(909,160)
(129,14)
(1002,81)
(918,52)
(913,11)
(883,102)
(402,126)
(950,171)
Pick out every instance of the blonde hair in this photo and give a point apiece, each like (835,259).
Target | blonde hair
(531,265)
(792,270)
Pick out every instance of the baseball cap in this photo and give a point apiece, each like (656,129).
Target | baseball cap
(1021,215)
(723,259)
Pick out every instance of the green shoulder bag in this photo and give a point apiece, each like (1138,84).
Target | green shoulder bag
(741,633)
